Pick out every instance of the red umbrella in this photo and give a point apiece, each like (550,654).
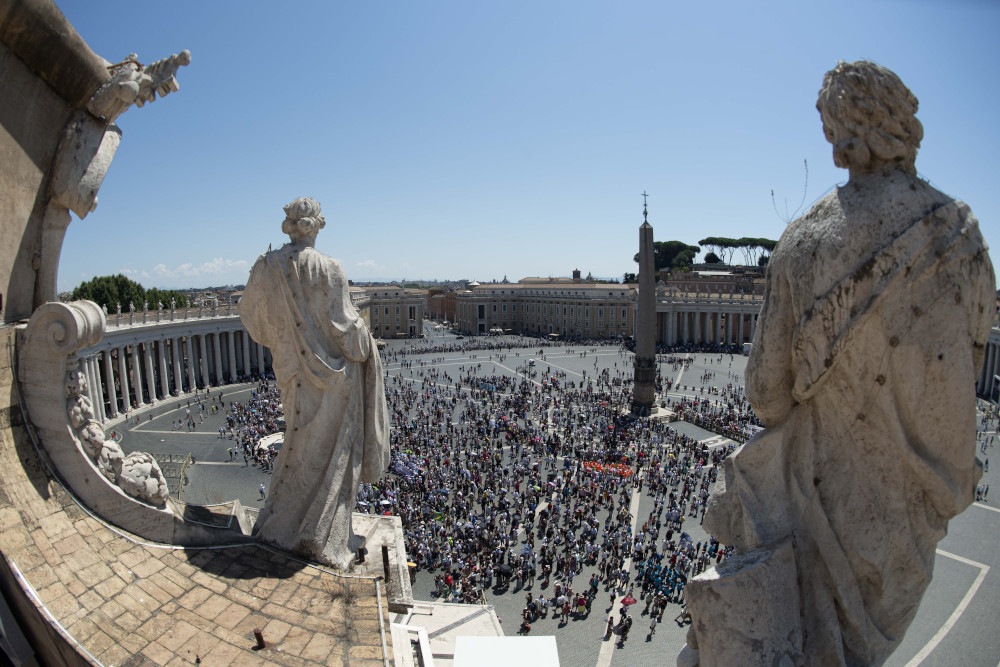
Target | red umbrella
(629,600)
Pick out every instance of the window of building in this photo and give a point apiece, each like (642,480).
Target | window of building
(504,307)
(624,313)
(387,310)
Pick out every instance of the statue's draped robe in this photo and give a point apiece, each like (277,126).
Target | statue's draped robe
(327,366)
(863,372)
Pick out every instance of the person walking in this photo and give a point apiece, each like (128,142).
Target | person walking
(261,490)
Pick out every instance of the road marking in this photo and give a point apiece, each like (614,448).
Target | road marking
(986,507)
(955,615)
(565,370)
(680,373)
(608,647)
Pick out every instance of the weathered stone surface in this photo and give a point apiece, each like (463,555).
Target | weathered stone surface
(142,478)
(326,363)
(877,307)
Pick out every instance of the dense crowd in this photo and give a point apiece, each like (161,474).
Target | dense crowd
(504,482)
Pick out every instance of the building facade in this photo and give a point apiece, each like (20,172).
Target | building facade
(573,310)
(395,312)
(600,310)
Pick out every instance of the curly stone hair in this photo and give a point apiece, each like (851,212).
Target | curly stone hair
(869,117)
(302,218)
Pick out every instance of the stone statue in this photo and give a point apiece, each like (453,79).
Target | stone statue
(173,303)
(132,83)
(131,307)
(327,366)
(877,307)
(118,309)
(145,306)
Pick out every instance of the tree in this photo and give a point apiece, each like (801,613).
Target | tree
(712,258)
(752,247)
(630,277)
(666,252)
(110,291)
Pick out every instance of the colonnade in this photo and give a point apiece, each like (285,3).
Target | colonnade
(711,327)
(158,362)
(991,365)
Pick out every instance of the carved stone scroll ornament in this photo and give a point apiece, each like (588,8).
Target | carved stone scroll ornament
(56,395)
(132,83)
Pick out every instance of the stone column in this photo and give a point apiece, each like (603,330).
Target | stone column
(992,358)
(123,378)
(729,328)
(178,375)
(217,348)
(147,353)
(245,339)
(260,359)
(685,327)
(161,346)
(988,367)
(203,360)
(753,325)
(189,348)
(988,361)
(110,379)
(697,327)
(981,380)
(231,339)
(137,376)
(94,380)
(85,368)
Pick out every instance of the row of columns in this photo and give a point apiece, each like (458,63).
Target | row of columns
(131,376)
(991,368)
(705,327)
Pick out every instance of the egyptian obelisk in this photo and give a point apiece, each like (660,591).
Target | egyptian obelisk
(644,381)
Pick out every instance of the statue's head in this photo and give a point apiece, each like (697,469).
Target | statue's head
(868,116)
(302,219)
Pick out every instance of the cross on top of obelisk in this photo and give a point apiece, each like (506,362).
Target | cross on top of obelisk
(644,195)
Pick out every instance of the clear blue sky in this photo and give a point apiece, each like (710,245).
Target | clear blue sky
(460,139)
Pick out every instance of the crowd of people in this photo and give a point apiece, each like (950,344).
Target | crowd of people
(250,422)
(505,483)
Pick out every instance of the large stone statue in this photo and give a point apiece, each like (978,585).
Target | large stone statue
(327,365)
(877,307)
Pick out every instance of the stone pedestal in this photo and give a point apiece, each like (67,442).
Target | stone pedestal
(747,610)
